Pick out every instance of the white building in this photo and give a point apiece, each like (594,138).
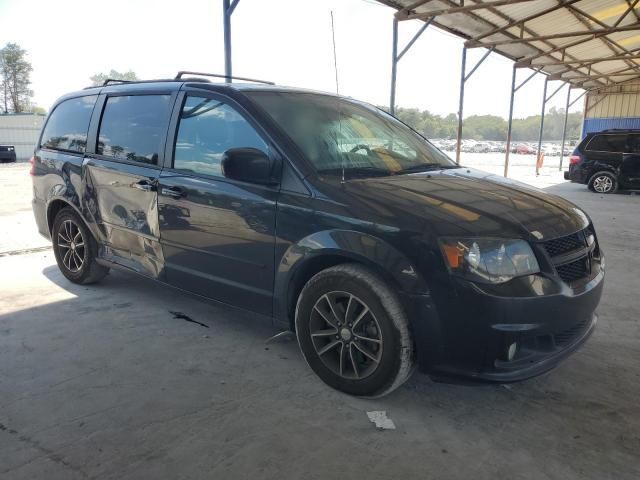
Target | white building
(21,130)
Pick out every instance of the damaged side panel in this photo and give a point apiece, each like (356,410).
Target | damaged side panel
(122,199)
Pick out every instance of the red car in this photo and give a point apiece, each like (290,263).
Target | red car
(523,149)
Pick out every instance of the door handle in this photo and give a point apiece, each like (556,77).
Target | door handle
(175,192)
(145,185)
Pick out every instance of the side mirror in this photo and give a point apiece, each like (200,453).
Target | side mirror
(248,165)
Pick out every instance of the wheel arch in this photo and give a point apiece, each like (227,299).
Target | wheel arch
(57,203)
(322,250)
(53,208)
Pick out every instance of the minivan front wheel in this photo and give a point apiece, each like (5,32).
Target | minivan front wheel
(75,249)
(353,332)
(603,182)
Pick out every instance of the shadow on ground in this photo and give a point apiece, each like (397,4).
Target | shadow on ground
(103,382)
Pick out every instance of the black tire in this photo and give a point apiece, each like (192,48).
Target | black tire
(603,182)
(383,331)
(75,249)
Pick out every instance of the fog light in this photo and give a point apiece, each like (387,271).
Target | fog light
(511,351)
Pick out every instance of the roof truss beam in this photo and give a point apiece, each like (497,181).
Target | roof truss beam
(585,19)
(582,62)
(523,28)
(493,27)
(635,14)
(560,48)
(582,33)
(521,22)
(408,15)
(588,66)
(631,8)
(555,76)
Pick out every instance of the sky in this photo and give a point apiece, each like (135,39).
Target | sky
(285,41)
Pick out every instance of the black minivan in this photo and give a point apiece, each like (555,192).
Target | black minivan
(327,216)
(607,161)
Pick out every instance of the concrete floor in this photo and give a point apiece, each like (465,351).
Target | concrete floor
(103,382)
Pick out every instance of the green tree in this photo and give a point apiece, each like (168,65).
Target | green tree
(15,73)
(491,127)
(38,110)
(99,78)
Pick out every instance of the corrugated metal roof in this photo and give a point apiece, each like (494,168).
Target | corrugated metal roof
(588,43)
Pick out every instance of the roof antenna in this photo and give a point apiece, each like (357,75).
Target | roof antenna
(335,67)
(335,58)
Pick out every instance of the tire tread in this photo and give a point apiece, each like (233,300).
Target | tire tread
(390,302)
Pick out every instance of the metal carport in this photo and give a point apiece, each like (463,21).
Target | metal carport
(588,45)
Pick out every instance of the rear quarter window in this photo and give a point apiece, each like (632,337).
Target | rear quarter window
(68,124)
(633,145)
(133,127)
(607,143)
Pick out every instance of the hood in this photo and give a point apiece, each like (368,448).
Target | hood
(466,202)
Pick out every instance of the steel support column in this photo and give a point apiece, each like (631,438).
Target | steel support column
(510,121)
(514,89)
(463,80)
(461,103)
(545,100)
(394,67)
(395,58)
(544,104)
(228,7)
(564,126)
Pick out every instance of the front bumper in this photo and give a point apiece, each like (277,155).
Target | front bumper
(466,335)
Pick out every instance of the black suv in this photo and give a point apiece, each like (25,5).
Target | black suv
(606,161)
(327,216)
(7,153)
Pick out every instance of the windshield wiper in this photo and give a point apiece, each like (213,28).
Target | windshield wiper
(424,167)
(357,171)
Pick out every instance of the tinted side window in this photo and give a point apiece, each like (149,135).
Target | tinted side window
(68,124)
(633,144)
(133,127)
(207,129)
(608,143)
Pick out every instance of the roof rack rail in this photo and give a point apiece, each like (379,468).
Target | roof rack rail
(109,81)
(181,73)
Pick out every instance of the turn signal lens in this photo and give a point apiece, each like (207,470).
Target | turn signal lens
(453,255)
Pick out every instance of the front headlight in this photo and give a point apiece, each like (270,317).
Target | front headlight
(489,260)
(11,149)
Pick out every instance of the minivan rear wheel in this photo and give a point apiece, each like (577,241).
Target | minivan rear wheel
(353,331)
(75,249)
(603,182)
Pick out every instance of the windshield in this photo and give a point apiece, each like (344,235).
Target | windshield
(337,134)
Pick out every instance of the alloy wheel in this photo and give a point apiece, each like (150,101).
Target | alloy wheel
(71,245)
(346,335)
(602,184)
